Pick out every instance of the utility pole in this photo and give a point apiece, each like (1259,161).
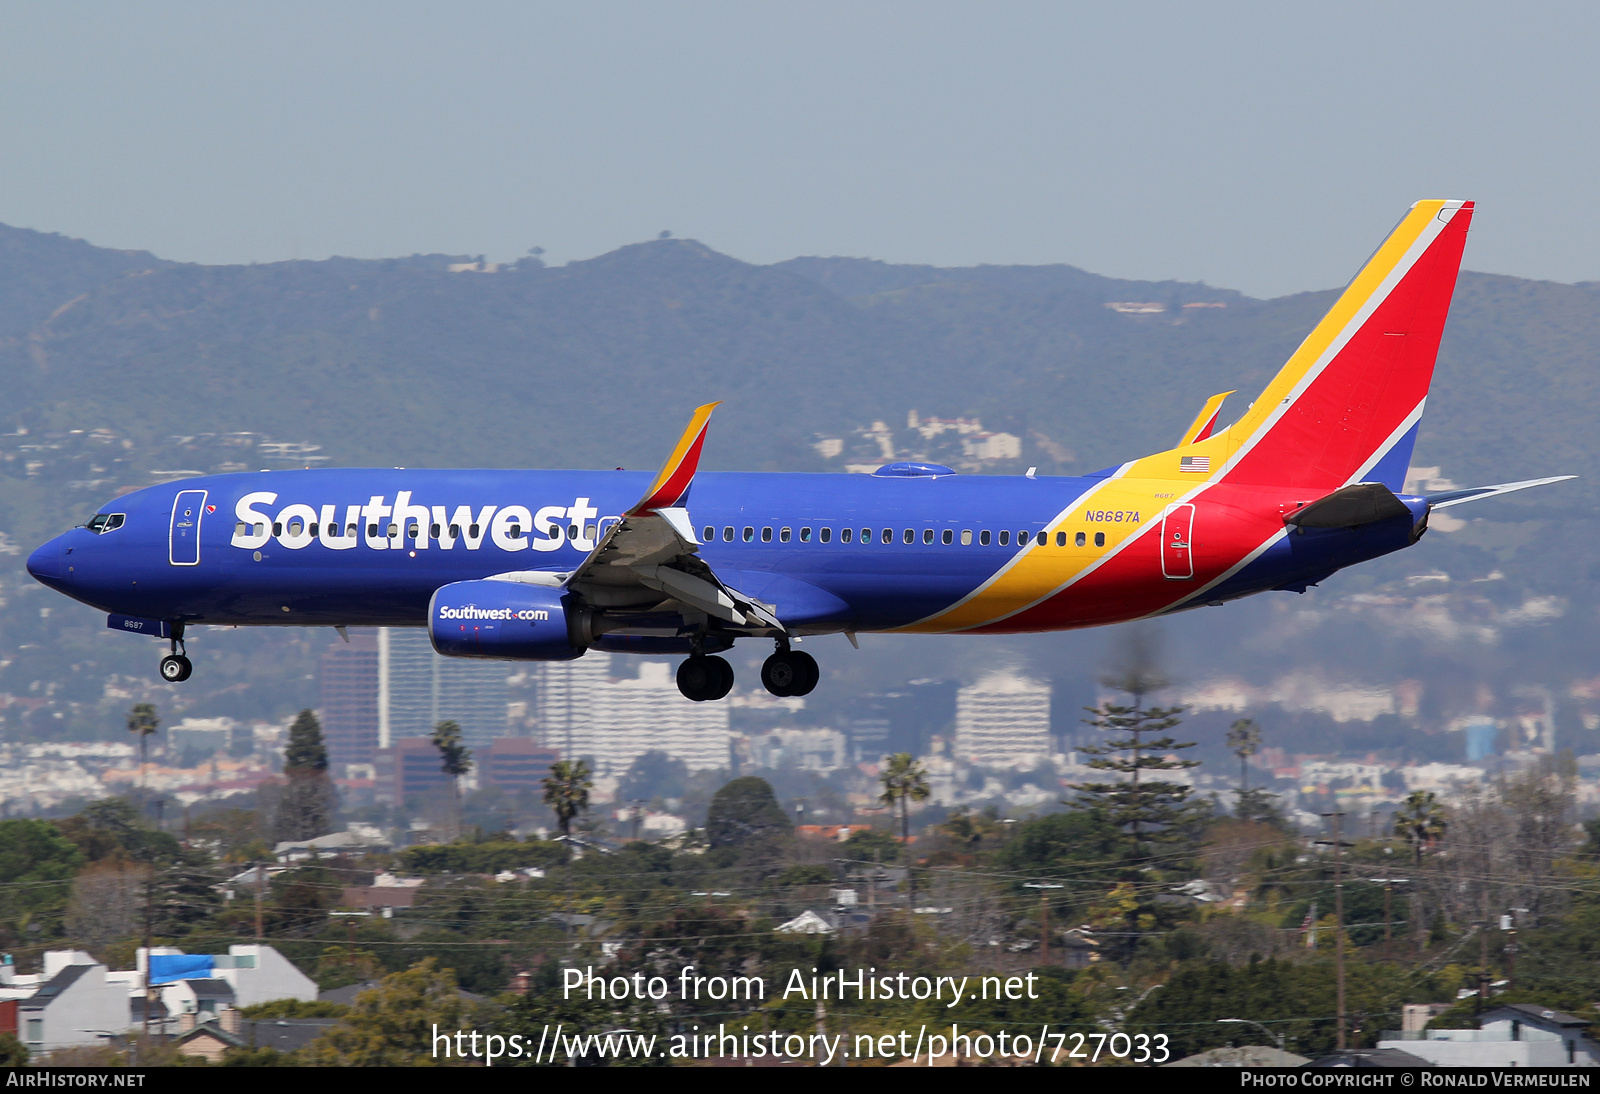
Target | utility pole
(1509,924)
(149,988)
(1338,915)
(1388,888)
(1044,915)
(261,884)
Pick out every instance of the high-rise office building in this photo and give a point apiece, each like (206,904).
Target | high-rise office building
(585,712)
(417,689)
(348,706)
(1003,721)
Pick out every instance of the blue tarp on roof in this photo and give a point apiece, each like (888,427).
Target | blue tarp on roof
(165,968)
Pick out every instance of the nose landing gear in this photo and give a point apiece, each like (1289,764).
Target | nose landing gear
(790,672)
(175,666)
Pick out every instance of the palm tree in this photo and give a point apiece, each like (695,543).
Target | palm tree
(1244,739)
(566,791)
(143,721)
(905,781)
(1420,819)
(455,760)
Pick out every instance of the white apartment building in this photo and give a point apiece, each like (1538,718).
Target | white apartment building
(585,711)
(1003,721)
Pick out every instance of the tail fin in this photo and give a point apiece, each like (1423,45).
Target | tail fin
(1345,407)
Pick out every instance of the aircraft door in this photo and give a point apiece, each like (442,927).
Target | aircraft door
(183,538)
(1177,532)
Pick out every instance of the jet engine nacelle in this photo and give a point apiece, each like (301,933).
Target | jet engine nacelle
(501,620)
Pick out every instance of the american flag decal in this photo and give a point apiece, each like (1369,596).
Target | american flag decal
(1201,464)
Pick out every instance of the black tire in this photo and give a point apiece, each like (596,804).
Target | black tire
(781,674)
(700,677)
(723,679)
(175,668)
(807,670)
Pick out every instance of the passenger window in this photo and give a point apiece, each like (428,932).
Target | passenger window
(296,527)
(589,531)
(866,535)
(414,530)
(909,536)
(1005,538)
(433,530)
(949,536)
(766,535)
(888,535)
(966,538)
(372,531)
(805,535)
(277,528)
(313,531)
(727,534)
(572,531)
(927,535)
(1023,537)
(1042,538)
(1079,540)
(824,534)
(783,535)
(983,538)
(707,534)
(472,531)
(845,534)
(749,533)
(515,532)
(1099,539)
(238,530)
(455,532)
(1061,539)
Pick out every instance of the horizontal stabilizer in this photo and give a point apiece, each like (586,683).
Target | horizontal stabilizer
(1456,497)
(1350,507)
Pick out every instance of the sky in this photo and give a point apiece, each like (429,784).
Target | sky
(1265,147)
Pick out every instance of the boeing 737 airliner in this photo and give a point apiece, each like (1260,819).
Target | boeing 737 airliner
(543,565)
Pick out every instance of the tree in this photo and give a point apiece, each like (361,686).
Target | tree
(306,809)
(566,791)
(745,813)
(455,760)
(1420,819)
(904,781)
(1244,740)
(37,864)
(1149,811)
(107,904)
(393,1024)
(143,721)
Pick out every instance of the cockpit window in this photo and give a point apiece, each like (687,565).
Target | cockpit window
(101,523)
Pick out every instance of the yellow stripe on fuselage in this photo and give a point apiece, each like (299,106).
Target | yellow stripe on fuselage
(1153,483)
(1040,571)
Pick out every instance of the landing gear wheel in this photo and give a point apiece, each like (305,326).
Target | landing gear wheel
(789,672)
(810,674)
(705,679)
(175,668)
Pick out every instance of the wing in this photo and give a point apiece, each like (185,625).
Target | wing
(649,560)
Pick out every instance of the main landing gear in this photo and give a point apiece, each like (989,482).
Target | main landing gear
(704,679)
(790,673)
(786,673)
(175,666)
